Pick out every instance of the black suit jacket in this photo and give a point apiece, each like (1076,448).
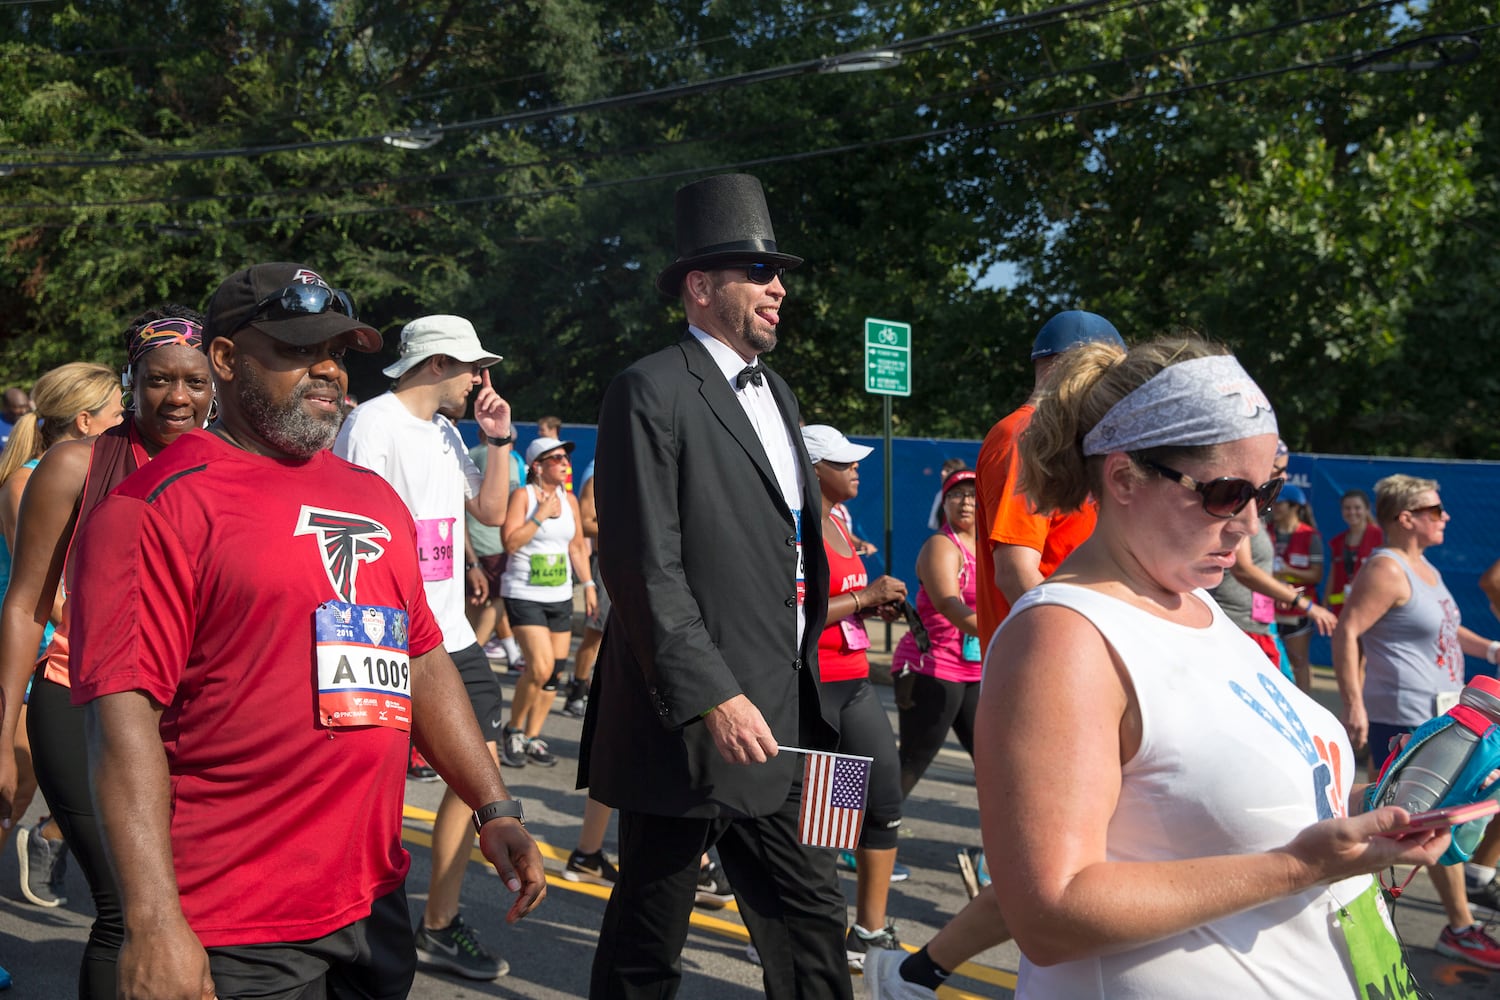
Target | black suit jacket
(697,548)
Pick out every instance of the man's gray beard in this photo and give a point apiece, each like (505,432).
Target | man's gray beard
(288,427)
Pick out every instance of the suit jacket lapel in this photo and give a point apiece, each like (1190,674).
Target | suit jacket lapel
(720,399)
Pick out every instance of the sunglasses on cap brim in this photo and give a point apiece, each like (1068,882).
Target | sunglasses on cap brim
(303,300)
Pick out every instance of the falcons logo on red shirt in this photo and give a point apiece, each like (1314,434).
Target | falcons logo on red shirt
(344,540)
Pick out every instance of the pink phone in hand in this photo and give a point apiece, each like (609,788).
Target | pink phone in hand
(1437,819)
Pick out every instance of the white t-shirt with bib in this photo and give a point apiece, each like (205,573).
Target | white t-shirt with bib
(1233,759)
(428,465)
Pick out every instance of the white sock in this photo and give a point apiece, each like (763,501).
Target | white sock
(511,647)
(1478,874)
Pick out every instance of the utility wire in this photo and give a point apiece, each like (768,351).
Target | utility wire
(929,135)
(952,36)
(928,99)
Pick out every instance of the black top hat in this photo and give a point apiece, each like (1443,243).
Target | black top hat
(721,220)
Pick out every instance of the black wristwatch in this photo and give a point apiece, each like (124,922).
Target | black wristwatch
(495,810)
(502,442)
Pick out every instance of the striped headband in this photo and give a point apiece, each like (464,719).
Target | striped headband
(171,331)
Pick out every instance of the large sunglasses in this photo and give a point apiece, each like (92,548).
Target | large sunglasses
(1435,509)
(1224,497)
(763,274)
(303,300)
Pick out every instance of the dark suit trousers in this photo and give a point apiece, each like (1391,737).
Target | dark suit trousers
(789,898)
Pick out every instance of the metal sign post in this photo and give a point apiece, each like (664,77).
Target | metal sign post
(887,374)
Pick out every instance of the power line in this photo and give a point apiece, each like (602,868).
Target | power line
(919,100)
(929,135)
(1008,24)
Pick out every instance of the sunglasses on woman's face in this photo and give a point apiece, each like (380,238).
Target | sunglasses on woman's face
(1224,497)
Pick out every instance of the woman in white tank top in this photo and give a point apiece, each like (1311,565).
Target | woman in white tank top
(1164,813)
(542,538)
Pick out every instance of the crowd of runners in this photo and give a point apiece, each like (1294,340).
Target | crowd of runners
(229,585)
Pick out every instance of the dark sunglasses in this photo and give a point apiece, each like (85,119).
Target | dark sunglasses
(303,300)
(1435,509)
(835,466)
(1224,497)
(557,456)
(763,274)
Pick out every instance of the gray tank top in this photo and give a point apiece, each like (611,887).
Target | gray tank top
(1412,652)
(1235,598)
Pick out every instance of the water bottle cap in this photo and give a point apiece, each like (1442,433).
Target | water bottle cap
(1487,684)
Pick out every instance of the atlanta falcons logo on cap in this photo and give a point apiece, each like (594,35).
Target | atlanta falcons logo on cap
(344,541)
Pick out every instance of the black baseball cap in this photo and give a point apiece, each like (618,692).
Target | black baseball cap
(300,314)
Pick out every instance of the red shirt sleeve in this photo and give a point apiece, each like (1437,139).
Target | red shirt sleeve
(133,608)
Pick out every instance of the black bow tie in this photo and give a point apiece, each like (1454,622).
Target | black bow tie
(752,373)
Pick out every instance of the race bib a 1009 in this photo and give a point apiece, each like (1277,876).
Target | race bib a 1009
(364,672)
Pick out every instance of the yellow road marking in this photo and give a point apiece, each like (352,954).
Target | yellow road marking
(702,921)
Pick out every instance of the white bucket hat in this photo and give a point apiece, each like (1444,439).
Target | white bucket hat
(431,336)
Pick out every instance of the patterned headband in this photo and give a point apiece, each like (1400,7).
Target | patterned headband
(1199,402)
(172,331)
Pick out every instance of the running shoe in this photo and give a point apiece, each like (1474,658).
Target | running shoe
(44,865)
(494,650)
(883,978)
(577,703)
(849,863)
(456,949)
(4,980)
(513,748)
(859,941)
(595,868)
(1484,893)
(714,892)
(417,768)
(1470,945)
(538,754)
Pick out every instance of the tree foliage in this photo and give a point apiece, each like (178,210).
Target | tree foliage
(1169,163)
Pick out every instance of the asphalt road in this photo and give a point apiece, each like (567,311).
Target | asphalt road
(550,951)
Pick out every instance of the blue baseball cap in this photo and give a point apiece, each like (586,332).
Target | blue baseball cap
(1292,493)
(1071,329)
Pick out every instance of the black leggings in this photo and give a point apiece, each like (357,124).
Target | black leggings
(865,730)
(60,755)
(927,709)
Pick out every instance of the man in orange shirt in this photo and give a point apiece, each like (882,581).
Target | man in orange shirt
(1019,548)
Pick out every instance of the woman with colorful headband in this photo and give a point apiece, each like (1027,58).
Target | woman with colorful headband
(1165,814)
(171,392)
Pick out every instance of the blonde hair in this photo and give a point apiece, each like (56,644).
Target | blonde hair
(59,397)
(1395,494)
(1079,390)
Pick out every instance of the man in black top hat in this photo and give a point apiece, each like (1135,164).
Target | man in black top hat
(720,589)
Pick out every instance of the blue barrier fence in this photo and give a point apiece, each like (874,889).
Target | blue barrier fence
(1470,492)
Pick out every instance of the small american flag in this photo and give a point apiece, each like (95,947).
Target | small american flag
(833,799)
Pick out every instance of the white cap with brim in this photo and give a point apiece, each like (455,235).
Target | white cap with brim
(545,446)
(826,443)
(431,336)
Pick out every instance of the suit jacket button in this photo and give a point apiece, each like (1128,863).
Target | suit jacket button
(797,663)
(791,602)
(791,540)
